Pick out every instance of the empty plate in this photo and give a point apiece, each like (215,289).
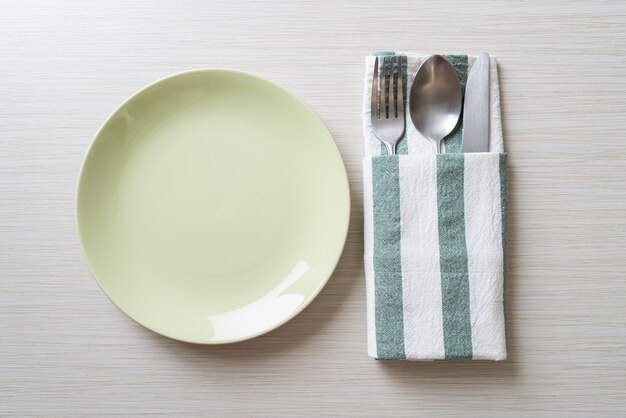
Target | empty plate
(212,206)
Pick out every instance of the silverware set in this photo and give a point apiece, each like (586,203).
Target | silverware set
(435,102)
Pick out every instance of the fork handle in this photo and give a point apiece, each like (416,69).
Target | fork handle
(391,149)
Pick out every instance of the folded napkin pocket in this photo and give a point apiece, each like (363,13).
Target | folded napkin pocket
(435,232)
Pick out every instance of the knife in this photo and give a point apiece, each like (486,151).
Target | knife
(476,107)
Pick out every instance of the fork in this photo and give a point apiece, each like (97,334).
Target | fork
(388,109)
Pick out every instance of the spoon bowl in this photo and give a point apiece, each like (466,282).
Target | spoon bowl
(435,100)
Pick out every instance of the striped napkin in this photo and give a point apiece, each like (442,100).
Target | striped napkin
(435,233)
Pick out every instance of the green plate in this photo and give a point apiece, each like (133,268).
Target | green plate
(212,206)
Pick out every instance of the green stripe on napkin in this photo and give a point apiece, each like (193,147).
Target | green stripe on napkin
(457,329)
(453,142)
(387,258)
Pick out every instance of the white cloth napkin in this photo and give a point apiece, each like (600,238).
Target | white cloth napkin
(435,233)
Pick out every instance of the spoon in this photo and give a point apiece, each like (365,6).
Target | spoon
(435,99)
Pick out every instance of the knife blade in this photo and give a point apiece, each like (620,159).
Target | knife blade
(476,107)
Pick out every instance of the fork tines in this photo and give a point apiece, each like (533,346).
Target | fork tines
(387,103)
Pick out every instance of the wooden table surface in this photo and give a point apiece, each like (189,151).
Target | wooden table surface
(65,349)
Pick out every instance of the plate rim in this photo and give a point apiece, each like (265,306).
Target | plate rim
(322,283)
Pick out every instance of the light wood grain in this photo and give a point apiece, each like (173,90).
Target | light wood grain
(65,349)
